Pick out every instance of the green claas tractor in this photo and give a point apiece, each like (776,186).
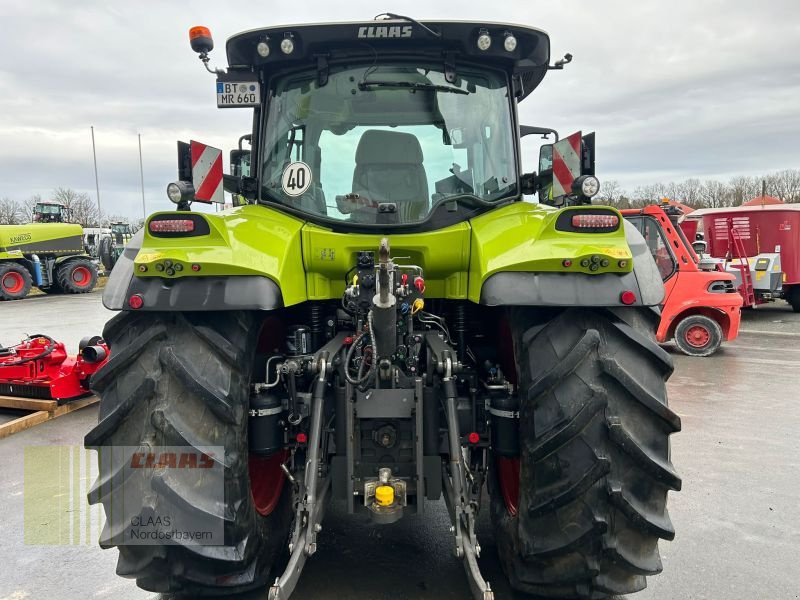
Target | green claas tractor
(47,253)
(111,246)
(384,323)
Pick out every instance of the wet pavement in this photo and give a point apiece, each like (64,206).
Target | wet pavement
(737,517)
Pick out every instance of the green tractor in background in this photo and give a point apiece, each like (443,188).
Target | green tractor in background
(111,246)
(385,322)
(47,253)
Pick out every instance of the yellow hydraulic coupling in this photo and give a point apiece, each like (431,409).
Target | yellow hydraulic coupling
(384,495)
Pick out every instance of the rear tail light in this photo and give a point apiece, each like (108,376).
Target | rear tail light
(627,297)
(591,221)
(172,226)
(136,301)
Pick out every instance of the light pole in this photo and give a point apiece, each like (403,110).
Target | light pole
(96,179)
(141,176)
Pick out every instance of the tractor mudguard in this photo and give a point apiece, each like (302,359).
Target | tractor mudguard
(246,292)
(514,272)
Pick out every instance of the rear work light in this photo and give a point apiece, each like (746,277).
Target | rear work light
(172,226)
(592,221)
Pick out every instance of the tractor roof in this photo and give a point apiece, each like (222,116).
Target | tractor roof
(315,44)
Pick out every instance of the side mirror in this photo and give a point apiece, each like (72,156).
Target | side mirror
(240,163)
(546,158)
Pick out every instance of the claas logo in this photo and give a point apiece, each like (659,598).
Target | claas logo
(172,460)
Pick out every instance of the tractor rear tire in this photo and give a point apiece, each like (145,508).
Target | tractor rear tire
(698,335)
(106,254)
(594,466)
(77,276)
(15,281)
(182,379)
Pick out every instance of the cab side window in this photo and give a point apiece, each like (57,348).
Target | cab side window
(659,248)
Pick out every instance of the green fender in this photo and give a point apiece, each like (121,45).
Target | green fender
(520,257)
(255,257)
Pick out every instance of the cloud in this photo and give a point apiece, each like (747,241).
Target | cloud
(673,90)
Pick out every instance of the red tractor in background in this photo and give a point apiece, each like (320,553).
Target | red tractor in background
(701,308)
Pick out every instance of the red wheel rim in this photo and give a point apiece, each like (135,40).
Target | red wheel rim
(508,478)
(13,282)
(266,480)
(697,336)
(81,276)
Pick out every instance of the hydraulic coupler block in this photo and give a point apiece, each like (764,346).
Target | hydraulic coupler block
(385,497)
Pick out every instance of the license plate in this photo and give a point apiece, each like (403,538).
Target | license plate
(235,94)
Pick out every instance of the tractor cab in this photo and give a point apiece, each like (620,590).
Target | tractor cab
(393,124)
(121,232)
(111,246)
(51,212)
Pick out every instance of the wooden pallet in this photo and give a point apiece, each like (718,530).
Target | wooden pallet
(42,410)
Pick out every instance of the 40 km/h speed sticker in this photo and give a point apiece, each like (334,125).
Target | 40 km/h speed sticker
(296,178)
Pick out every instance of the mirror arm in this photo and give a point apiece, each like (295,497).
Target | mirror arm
(528,183)
(243,186)
(530,129)
(249,187)
(231,184)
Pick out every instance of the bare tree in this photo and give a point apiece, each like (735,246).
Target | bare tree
(10,212)
(715,194)
(26,207)
(610,192)
(84,211)
(689,192)
(744,188)
(649,194)
(785,185)
(672,191)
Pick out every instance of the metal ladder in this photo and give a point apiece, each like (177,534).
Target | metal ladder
(736,251)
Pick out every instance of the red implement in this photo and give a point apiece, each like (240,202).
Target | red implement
(39,367)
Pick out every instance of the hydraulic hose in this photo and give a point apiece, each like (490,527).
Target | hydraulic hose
(349,356)
(51,345)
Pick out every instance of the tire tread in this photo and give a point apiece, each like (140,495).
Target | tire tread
(595,454)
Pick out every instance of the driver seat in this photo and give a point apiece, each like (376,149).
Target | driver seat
(389,169)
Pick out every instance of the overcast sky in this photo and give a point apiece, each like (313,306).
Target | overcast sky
(674,89)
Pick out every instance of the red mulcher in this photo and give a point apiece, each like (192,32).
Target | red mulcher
(39,367)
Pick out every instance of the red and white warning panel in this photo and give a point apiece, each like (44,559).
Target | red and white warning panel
(207,173)
(566,164)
